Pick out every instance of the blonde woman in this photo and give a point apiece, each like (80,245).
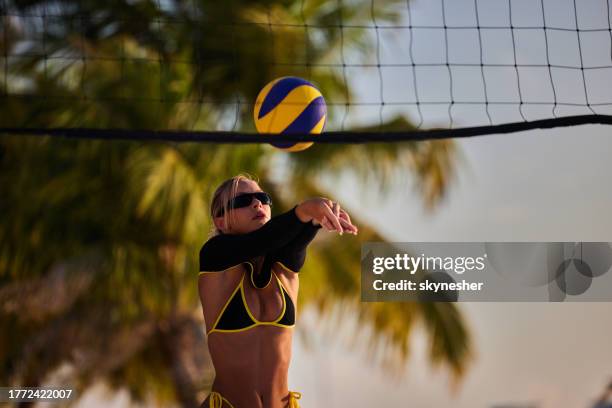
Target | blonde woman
(248,287)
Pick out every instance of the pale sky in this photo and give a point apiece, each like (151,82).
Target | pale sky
(542,185)
(533,186)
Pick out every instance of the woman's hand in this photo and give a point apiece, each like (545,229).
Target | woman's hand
(345,221)
(327,213)
(317,209)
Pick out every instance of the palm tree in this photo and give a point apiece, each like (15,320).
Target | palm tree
(98,238)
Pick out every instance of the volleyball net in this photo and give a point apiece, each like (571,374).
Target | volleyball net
(389,70)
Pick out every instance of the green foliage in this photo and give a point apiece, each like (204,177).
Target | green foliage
(99,239)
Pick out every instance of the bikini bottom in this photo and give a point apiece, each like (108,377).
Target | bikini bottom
(217,400)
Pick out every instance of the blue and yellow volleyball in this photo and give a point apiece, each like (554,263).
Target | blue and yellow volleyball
(290,105)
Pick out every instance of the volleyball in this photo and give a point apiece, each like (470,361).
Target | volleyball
(290,105)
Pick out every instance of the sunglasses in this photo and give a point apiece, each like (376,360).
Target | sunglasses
(244,200)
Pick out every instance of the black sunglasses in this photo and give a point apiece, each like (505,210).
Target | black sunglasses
(244,200)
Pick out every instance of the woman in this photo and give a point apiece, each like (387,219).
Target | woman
(248,287)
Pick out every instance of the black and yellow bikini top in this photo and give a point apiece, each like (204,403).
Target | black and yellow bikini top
(235,316)
(282,240)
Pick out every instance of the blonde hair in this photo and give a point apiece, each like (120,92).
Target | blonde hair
(227,191)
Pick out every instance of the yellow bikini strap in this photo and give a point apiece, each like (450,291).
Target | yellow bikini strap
(293,397)
(216,401)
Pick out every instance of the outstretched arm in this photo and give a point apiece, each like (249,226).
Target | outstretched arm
(293,230)
(293,254)
(223,251)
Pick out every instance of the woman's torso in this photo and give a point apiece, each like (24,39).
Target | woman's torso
(250,351)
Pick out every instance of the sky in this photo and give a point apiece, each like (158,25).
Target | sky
(498,49)
(540,185)
(531,186)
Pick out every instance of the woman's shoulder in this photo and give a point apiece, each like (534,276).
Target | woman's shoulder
(215,243)
(213,253)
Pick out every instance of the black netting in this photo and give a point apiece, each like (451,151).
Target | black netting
(389,70)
